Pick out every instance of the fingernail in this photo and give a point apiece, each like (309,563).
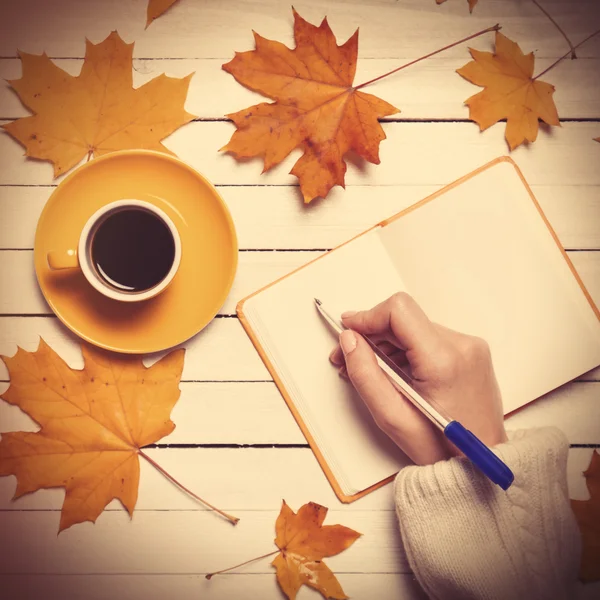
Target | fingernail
(347,341)
(348,314)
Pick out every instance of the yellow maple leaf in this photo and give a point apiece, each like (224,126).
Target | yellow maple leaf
(472,3)
(156,8)
(304,542)
(316,107)
(587,514)
(93,424)
(511,92)
(97,111)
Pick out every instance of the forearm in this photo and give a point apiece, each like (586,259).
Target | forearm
(467,538)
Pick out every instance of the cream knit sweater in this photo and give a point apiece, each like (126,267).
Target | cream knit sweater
(467,538)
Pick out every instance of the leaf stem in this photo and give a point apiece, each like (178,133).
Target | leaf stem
(573,55)
(565,55)
(412,62)
(210,575)
(233,520)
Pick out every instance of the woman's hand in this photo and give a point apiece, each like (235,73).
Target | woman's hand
(452,369)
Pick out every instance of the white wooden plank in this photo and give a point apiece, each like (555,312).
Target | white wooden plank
(202,28)
(235,413)
(574,408)
(587,264)
(234,479)
(221,352)
(182,542)
(20,294)
(255,413)
(117,544)
(430,90)
(574,212)
(244,479)
(17,276)
(364,586)
(20,209)
(414,153)
(181,534)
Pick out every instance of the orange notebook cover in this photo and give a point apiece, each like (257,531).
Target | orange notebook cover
(484,246)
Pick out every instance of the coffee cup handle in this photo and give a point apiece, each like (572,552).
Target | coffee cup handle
(63,259)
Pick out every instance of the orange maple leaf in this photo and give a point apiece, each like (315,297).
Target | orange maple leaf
(511,92)
(93,424)
(316,108)
(587,513)
(304,542)
(97,111)
(156,8)
(472,3)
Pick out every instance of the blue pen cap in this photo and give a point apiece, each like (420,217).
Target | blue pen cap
(479,454)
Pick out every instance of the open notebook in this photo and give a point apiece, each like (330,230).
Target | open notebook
(479,257)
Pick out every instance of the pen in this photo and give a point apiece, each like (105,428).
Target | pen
(467,442)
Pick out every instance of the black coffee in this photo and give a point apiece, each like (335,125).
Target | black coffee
(133,250)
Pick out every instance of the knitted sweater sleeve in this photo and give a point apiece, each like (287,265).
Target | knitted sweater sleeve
(467,538)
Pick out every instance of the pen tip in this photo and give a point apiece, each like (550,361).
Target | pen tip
(317,302)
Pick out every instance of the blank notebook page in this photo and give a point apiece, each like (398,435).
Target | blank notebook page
(480,259)
(297,341)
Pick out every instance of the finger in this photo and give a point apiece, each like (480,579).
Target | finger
(383,400)
(400,314)
(388,337)
(367,377)
(337,356)
(387,347)
(390,410)
(399,358)
(394,353)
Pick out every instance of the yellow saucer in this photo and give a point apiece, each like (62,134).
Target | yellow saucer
(208,262)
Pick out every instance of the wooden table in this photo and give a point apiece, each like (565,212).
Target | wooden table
(236,442)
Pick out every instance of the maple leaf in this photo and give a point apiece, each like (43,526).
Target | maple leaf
(316,108)
(511,92)
(156,8)
(587,513)
(304,542)
(93,424)
(97,111)
(472,3)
